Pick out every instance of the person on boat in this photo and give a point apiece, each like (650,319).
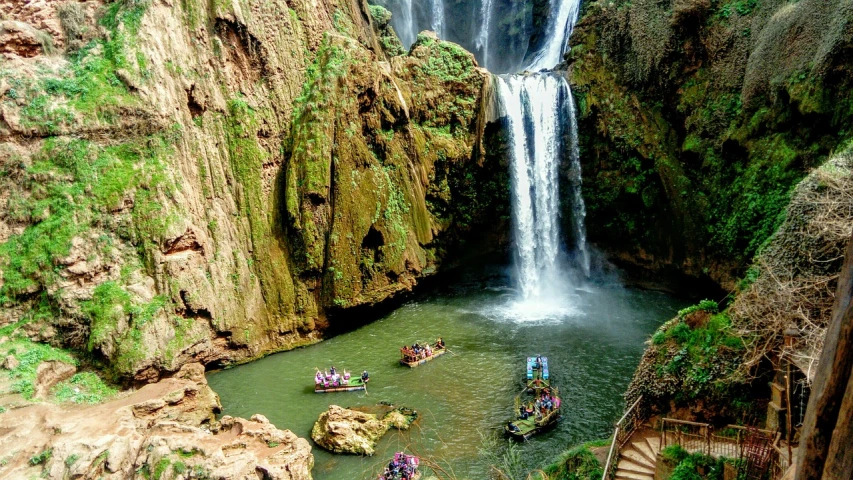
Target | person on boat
(332,370)
(365,377)
(428,350)
(513,427)
(439,344)
(318,378)
(538,363)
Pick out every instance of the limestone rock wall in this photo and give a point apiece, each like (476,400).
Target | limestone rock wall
(203,181)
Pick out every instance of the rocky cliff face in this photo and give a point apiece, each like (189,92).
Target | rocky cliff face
(699,116)
(204,181)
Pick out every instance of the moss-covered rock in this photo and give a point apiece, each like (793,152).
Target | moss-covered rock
(697,119)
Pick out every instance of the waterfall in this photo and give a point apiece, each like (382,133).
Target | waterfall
(406,30)
(540,117)
(482,41)
(532,105)
(558,30)
(438,18)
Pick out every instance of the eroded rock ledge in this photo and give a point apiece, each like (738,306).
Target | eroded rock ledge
(163,430)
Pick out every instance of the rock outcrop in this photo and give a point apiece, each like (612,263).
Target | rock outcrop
(165,430)
(342,430)
(199,181)
(49,374)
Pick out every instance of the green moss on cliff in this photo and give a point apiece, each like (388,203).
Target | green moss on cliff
(73,187)
(696,125)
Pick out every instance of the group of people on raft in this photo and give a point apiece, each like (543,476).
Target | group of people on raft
(541,407)
(419,352)
(402,466)
(332,378)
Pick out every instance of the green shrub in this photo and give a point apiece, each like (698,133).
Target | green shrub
(42,457)
(578,463)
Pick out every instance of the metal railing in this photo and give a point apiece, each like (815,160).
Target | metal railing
(625,427)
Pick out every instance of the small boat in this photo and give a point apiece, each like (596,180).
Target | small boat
(401,467)
(535,416)
(408,357)
(350,386)
(327,383)
(537,412)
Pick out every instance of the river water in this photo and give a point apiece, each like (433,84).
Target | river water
(593,350)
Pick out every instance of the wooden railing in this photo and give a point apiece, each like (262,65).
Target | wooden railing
(729,442)
(625,427)
(702,438)
(692,436)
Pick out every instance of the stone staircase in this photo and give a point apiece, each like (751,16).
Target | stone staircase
(637,459)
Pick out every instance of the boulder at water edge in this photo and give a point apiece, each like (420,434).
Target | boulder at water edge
(341,430)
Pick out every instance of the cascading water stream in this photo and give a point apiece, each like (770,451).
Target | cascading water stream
(540,114)
(532,105)
(575,181)
(482,41)
(438,18)
(406,30)
(558,30)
